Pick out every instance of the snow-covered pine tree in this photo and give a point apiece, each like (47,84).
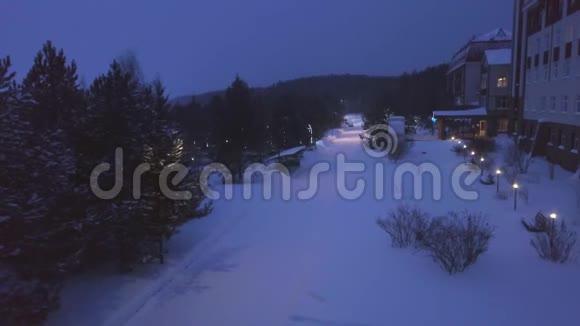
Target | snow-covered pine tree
(40,241)
(156,217)
(134,116)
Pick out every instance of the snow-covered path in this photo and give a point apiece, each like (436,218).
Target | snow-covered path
(324,261)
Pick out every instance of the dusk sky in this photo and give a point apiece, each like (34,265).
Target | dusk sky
(200,45)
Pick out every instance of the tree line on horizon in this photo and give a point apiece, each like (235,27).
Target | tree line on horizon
(410,94)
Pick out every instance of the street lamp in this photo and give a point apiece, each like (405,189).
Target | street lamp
(497,173)
(553,217)
(481,166)
(516,187)
(453,138)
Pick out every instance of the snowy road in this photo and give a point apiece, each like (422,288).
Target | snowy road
(324,261)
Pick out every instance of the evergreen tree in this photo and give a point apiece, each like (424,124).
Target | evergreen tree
(234,129)
(51,88)
(41,237)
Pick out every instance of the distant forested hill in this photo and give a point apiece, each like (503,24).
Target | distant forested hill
(411,93)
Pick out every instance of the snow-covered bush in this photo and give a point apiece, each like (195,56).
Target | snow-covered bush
(405,225)
(458,149)
(502,195)
(487,179)
(483,145)
(403,148)
(457,240)
(553,241)
(540,224)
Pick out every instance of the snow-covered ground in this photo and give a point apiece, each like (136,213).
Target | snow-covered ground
(324,261)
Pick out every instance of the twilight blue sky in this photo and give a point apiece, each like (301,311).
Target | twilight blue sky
(200,45)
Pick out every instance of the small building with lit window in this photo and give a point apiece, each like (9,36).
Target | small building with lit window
(495,92)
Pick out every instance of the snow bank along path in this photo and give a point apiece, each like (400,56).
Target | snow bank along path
(325,262)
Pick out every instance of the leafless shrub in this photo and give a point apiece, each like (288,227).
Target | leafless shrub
(524,194)
(556,243)
(405,225)
(517,158)
(456,241)
(502,195)
(510,173)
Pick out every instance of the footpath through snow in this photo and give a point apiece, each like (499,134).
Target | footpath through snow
(324,261)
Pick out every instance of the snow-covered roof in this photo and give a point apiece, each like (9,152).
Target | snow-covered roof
(290,151)
(498,34)
(499,56)
(461,113)
(473,50)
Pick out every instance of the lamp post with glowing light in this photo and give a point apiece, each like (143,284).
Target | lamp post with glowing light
(553,218)
(481,166)
(516,187)
(497,173)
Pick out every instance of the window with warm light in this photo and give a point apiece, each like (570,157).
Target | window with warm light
(502,82)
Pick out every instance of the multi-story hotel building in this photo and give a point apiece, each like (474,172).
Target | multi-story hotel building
(546,78)
(478,80)
(464,74)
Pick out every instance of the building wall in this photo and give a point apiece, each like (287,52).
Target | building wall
(553,89)
(547,86)
(559,143)
(472,82)
(456,85)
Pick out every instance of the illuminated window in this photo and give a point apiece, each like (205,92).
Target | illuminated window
(502,82)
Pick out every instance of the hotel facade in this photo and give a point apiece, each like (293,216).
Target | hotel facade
(545,86)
